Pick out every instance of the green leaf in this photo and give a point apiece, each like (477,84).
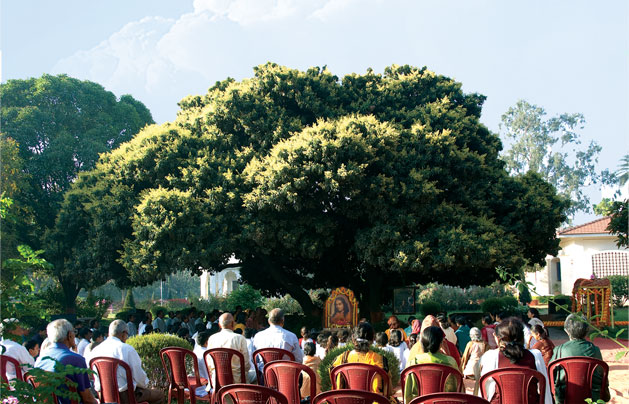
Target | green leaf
(620,354)
(619,333)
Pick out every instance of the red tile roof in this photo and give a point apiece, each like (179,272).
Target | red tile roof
(598,226)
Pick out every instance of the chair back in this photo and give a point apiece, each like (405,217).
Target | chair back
(107,371)
(431,377)
(448,398)
(221,361)
(579,371)
(266,355)
(359,376)
(30,379)
(250,394)
(4,361)
(174,362)
(350,397)
(515,384)
(283,376)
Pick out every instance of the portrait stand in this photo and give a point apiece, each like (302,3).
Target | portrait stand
(341,309)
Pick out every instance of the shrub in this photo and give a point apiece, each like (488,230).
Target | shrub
(326,364)
(129,301)
(286,303)
(430,308)
(454,298)
(620,289)
(245,296)
(524,296)
(492,305)
(509,302)
(561,300)
(148,347)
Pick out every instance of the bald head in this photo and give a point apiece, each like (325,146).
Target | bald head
(276,317)
(226,321)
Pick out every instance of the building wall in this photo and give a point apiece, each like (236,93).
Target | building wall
(219,284)
(574,260)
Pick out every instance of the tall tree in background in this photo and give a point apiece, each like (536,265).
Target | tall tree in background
(370,182)
(552,148)
(61,125)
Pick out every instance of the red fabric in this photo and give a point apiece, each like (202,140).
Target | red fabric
(546,347)
(453,352)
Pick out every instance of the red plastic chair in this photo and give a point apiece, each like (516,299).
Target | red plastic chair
(514,384)
(267,355)
(107,372)
(30,379)
(350,397)
(181,386)
(250,394)
(6,359)
(359,376)
(283,376)
(579,371)
(448,398)
(431,377)
(222,363)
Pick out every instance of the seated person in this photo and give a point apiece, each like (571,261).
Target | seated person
(12,331)
(116,347)
(544,344)
(511,353)
(447,347)
(200,347)
(312,361)
(431,339)
(577,329)
(488,331)
(362,337)
(61,336)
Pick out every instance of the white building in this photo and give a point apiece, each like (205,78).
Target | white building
(584,250)
(220,283)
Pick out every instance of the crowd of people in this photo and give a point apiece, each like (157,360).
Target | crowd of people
(503,341)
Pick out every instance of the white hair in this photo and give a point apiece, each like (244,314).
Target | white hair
(117,327)
(58,330)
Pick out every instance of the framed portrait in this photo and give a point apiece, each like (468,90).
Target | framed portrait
(341,309)
(404,301)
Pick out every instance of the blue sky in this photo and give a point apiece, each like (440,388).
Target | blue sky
(566,56)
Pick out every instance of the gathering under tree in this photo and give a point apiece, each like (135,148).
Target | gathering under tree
(312,181)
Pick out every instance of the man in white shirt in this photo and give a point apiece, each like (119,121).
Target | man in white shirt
(227,338)
(200,346)
(11,328)
(277,337)
(133,329)
(159,324)
(85,334)
(115,347)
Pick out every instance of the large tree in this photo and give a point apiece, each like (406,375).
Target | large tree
(551,147)
(371,182)
(61,125)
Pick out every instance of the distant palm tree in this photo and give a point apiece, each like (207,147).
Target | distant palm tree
(623,170)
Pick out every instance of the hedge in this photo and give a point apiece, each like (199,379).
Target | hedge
(326,364)
(148,347)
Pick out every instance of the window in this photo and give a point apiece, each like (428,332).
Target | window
(558,271)
(609,263)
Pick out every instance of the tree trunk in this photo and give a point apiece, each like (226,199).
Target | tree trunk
(70,292)
(370,291)
(296,291)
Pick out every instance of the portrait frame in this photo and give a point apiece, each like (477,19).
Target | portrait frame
(346,320)
(404,300)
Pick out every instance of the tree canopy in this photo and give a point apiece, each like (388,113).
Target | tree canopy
(60,126)
(552,148)
(369,181)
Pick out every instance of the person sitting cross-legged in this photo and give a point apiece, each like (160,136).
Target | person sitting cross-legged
(61,336)
(577,329)
(116,347)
